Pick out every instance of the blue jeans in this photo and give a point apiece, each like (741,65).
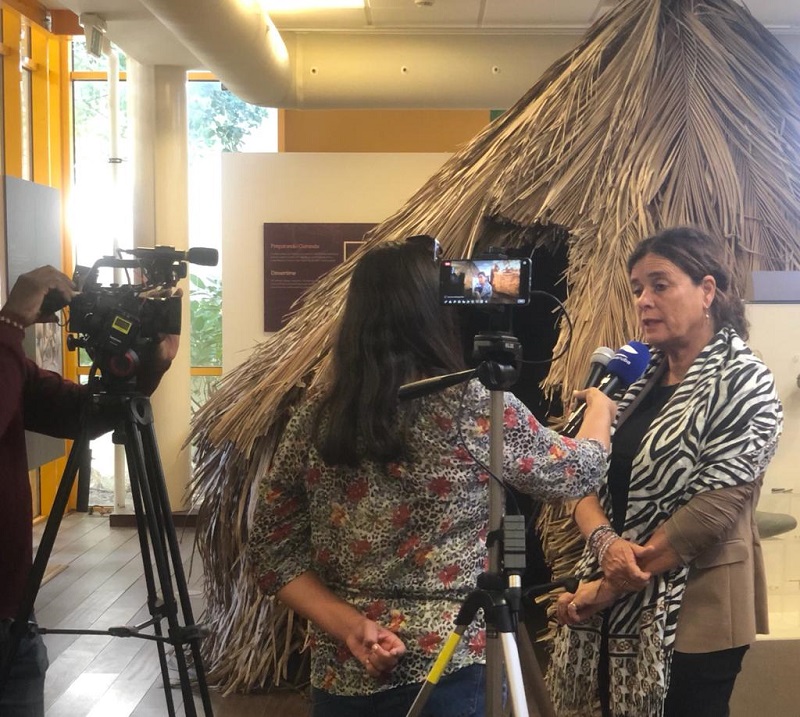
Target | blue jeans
(460,694)
(23,695)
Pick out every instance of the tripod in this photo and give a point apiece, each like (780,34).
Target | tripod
(131,415)
(498,591)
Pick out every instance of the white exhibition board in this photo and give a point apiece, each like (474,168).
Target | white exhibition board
(298,187)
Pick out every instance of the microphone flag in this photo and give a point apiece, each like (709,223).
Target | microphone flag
(627,366)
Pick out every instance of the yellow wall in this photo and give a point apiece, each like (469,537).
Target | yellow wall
(50,146)
(379,130)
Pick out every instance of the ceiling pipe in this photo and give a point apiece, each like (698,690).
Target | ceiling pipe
(236,41)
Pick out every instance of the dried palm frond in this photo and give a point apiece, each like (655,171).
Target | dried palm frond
(668,112)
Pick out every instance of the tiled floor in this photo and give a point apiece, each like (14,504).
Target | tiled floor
(103,676)
(103,585)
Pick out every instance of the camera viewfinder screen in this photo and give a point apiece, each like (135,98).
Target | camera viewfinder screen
(485,281)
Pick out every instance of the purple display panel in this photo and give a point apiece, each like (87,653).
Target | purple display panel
(296,256)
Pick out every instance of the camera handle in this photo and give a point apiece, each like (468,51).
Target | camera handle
(498,591)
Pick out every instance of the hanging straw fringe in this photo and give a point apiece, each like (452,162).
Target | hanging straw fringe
(668,112)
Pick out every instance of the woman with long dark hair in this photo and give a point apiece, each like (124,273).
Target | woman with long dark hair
(371,521)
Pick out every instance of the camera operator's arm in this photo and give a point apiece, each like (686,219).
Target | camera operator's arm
(46,402)
(25,300)
(156,362)
(54,405)
(51,404)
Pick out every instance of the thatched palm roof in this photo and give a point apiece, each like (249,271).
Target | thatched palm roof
(668,112)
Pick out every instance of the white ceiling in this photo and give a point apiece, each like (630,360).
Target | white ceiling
(138,33)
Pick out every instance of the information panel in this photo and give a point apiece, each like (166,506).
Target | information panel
(296,256)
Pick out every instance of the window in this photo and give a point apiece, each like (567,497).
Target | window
(218,122)
(100,213)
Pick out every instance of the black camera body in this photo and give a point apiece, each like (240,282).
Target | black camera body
(116,322)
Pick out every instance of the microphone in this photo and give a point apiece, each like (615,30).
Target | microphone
(196,255)
(627,365)
(597,365)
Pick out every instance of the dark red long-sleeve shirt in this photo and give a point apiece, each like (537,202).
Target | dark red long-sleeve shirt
(35,400)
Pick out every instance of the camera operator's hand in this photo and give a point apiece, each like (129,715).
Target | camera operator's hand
(166,348)
(24,303)
(157,359)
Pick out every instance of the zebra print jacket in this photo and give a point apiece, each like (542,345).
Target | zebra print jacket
(719,430)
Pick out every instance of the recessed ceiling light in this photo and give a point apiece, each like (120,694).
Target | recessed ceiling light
(300,5)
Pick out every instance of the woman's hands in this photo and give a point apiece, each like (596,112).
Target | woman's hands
(620,565)
(376,648)
(621,574)
(591,597)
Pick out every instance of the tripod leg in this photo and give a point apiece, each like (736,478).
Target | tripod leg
(156,607)
(516,686)
(160,489)
(25,610)
(537,687)
(494,666)
(163,537)
(494,673)
(435,673)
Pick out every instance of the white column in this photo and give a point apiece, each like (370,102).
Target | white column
(157,105)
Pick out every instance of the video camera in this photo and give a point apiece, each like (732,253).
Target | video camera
(116,322)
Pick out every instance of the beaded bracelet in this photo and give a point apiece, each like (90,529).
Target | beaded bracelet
(11,322)
(599,535)
(601,553)
(600,540)
(602,528)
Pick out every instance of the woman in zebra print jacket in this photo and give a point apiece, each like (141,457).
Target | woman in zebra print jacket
(672,529)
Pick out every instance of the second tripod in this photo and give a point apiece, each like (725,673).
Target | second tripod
(499,590)
(132,418)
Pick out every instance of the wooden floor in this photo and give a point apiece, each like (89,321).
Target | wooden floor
(101,586)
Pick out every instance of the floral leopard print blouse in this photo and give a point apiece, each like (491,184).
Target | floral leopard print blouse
(405,542)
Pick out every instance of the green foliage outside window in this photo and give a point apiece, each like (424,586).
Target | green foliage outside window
(219,119)
(206,318)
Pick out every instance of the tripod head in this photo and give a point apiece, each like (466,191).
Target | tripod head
(500,356)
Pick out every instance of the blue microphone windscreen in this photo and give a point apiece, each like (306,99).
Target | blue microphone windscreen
(629,362)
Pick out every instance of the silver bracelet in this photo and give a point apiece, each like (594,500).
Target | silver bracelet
(11,322)
(601,553)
